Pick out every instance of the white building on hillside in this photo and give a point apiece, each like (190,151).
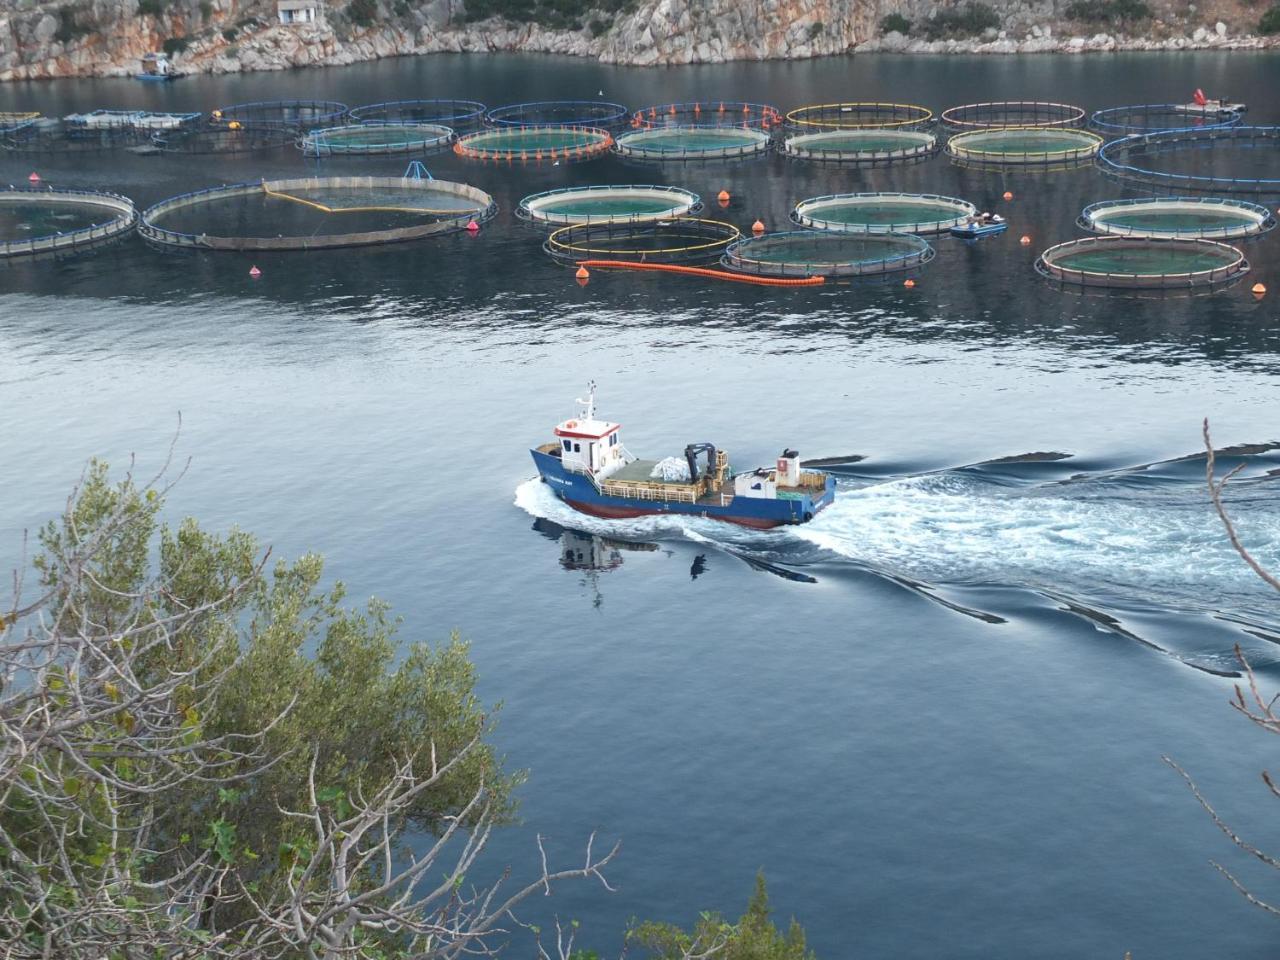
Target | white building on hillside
(300,11)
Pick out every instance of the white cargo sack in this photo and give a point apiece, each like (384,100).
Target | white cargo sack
(671,469)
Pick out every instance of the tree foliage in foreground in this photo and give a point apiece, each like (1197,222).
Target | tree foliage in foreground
(753,937)
(200,758)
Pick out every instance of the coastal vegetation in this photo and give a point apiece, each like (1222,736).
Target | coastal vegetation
(895,23)
(207,753)
(969,20)
(1270,22)
(556,14)
(1108,12)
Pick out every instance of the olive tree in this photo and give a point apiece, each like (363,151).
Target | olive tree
(205,754)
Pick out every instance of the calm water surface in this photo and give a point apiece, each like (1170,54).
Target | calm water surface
(934,716)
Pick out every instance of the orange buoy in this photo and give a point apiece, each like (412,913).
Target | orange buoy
(473,227)
(723,196)
(757,227)
(1259,290)
(583,273)
(1008,194)
(1025,241)
(908,283)
(254,271)
(33,177)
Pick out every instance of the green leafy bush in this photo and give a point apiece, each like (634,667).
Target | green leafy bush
(557,14)
(230,34)
(597,27)
(206,9)
(895,23)
(1108,11)
(150,8)
(1270,22)
(363,12)
(69,25)
(753,937)
(175,45)
(815,29)
(966,21)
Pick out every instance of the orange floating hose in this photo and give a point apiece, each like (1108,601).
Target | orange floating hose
(703,272)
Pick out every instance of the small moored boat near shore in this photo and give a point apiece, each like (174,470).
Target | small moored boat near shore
(588,468)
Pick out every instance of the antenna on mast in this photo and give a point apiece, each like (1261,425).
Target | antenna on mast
(590,403)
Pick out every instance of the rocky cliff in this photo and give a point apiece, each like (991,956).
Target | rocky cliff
(61,38)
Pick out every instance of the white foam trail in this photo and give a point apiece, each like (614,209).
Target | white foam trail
(1164,542)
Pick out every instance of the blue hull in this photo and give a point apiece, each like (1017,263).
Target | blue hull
(580,493)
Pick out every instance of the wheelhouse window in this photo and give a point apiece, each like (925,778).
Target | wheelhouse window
(567,445)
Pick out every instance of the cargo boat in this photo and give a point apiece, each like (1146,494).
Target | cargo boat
(589,468)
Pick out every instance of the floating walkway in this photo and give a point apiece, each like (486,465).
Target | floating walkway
(61,221)
(1152,117)
(308,213)
(1124,263)
(1243,160)
(859,116)
(693,143)
(687,240)
(708,113)
(811,253)
(861,146)
(535,144)
(289,114)
(1211,218)
(376,139)
(462,116)
(563,113)
(1025,146)
(883,213)
(998,114)
(607,204)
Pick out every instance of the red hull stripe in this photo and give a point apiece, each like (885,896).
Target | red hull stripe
(627,513)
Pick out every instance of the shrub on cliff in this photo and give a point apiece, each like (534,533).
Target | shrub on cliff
(1270,22)
(1108,11)
(966,21)
(895,23)
(362,12)
(557,14)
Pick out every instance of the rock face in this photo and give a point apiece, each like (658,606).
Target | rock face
(67,38)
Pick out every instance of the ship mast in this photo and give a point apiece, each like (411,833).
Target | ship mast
(589,413)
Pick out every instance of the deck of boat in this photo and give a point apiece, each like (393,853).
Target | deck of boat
(640,471)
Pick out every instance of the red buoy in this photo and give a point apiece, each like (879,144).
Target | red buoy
(255,272)
(33,177)
(583,273)
(473,227)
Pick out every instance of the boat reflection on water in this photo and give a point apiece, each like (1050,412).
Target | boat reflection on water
(588,553)
(593,555)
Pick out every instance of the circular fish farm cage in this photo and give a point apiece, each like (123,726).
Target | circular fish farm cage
(60,221)
(459,115)
(224,140)
(314,213)
(376,139)
(693,143)
(290,114)
(1024,146)
(1013,113)
(1151,117)
(883,213)
(535,144)
(709,113)
(631,203)
(687,240)
(859,116)
(1122,262)
(813,253)
(1226,160)
(1214,218)
(861,146)
(563,113)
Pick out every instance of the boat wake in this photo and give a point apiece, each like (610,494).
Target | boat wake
(1123,547)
